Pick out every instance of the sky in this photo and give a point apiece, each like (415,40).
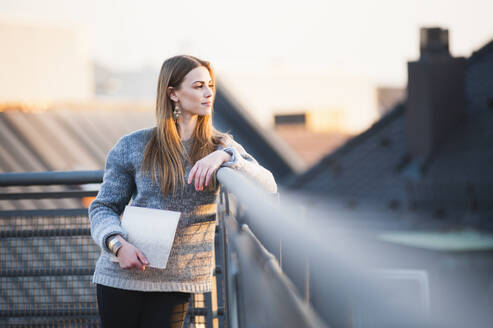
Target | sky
(373,39)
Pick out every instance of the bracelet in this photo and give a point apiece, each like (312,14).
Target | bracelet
(114,244)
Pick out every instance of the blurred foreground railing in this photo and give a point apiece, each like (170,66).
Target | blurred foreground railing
(314,267)
(256,291)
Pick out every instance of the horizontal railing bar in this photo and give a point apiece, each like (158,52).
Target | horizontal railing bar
(50,178)
(49,194)
(50,312)
(91,320)
(47,272)
(45,212)
(197,311)
(45,233)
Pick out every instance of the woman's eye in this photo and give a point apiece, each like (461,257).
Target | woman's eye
(210,86)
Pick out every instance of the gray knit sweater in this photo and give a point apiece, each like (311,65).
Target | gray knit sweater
(189,267)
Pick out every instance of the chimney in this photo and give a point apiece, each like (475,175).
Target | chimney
(435,93)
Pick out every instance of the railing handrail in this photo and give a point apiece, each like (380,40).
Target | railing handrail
(11,179)
(310,238)
(260,203)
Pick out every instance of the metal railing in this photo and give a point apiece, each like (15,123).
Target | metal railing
(257,292)
(47,255)
(274,264)
(334,268)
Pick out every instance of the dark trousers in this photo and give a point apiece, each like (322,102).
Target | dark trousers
(128,308)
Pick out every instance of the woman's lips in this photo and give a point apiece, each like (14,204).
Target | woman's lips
(207,103)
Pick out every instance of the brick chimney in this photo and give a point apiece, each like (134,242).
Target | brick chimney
(435,93)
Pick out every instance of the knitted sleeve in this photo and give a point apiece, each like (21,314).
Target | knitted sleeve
(248,166)
(115,193)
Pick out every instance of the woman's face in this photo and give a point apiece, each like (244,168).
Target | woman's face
(195,93)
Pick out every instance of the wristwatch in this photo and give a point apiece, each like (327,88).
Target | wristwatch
(114,244)
(229,150)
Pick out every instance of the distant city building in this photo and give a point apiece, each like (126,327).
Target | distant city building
(41,63)
(316,114)
(431,154)
(135,85)
(303,133)
(314,133)
(339,102)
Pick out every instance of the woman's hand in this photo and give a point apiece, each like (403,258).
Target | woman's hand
(203,169)
(130,257)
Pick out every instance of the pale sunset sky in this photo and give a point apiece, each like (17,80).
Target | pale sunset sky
(369,38)
(258,43)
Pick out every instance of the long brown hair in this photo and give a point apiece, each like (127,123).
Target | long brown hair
(164,155)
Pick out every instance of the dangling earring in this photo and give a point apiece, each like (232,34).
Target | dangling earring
(177,112)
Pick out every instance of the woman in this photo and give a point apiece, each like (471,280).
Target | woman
(171,166)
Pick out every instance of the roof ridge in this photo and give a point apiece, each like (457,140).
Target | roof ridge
(476,55)
(394,113)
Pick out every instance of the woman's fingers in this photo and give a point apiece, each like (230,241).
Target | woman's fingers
(132,264)
(202,177)
(142,258)
(142,261)
(208,176)
(203,170)
(197,178)
(192,173)
(130,257)
(136,263)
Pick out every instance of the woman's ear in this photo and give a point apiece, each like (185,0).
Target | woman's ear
(172,94)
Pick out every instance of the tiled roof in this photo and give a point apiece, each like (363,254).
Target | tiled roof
(59,140)
(63,139)
(374,169)
(350,170)
(479,54)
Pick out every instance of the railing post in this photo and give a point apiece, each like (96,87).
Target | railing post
(302,210)
(221,269)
